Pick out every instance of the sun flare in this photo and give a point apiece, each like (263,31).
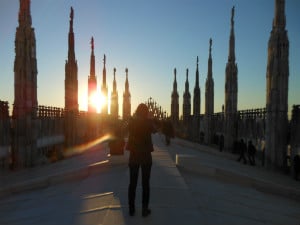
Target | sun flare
(93,102)
(98,100)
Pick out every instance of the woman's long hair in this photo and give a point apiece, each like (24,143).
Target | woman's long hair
(142,111)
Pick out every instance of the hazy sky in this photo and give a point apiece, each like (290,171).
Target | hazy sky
(151,38)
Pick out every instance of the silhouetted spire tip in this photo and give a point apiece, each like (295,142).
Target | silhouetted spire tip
(232,16)
(104,59)
(92,43)
(115,74)
(71,13)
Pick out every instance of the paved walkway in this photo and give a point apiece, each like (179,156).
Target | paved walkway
(87,189)
(74,167)
(224,166)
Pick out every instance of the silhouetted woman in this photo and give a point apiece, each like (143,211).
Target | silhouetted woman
(140,147)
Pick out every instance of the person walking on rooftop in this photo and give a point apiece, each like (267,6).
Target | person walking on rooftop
(251,153)
(243,149)
(168,131)
(140,147)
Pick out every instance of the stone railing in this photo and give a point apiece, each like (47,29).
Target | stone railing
(48,111)
(252,113)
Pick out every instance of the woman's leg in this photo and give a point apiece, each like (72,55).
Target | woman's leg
(134,172)
(146,171)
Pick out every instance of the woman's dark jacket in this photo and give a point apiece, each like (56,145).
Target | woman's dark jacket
(140,141)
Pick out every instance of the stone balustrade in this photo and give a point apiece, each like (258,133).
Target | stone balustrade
(48,111)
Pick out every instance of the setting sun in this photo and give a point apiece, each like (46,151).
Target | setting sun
(102,102)
(98,101)
(95,101)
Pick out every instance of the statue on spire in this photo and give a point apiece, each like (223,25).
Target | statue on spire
(210,44)
(72,13)
(232,16)
(71,19)
(104,59)
(92,43)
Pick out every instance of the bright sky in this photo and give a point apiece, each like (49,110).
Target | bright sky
(151,38)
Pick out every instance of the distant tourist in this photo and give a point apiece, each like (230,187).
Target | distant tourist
(168,131)
(242,148)
(251,153)
(140,147)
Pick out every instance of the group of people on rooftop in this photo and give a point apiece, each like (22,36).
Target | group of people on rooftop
(250,150)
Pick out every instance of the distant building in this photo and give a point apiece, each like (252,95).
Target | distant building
(195,126)
(186,107)
(126,99)
(24,149)
(209,85)
(231,92)
(71,90)
(25,66)
(197,97)
(114,103)
(209,100)
(175,101)
(104,90)
(277,90)
(92,82)
(71,70)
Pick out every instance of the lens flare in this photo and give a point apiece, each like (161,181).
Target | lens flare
(75,150)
